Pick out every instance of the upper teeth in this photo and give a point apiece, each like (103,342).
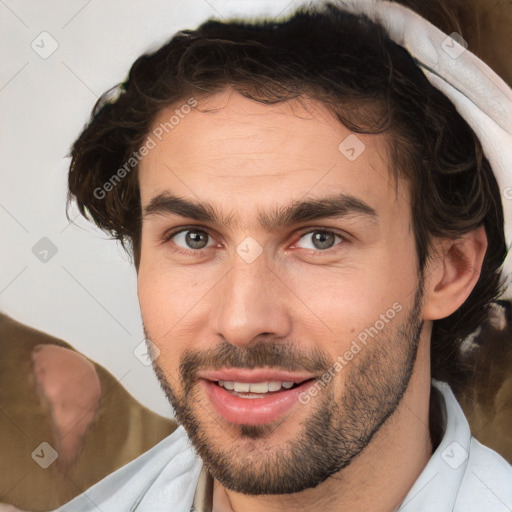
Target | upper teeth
(255,387)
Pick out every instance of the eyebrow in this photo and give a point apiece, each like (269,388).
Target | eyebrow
(332,206)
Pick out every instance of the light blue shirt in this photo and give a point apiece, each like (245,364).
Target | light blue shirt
(461,476)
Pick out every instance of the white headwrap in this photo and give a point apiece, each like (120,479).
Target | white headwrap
(480,96)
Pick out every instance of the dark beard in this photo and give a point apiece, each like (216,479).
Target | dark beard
(338,429)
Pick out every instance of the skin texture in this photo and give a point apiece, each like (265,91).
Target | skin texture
(243,158)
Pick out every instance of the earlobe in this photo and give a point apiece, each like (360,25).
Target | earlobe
(452,273)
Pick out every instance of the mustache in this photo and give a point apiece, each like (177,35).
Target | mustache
(279,355)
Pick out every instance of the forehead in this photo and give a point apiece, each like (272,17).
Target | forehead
(231,149)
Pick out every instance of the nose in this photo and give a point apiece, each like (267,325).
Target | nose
(252,301)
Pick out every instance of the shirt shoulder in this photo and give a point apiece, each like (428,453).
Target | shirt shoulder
(487,481)
(462,475)
(164,476)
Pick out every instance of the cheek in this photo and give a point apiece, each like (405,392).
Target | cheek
(174,305)
(161,301)
(151,296)
(341,304)
(161,312)
(165,293)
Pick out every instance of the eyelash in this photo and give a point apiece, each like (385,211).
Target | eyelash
(200,252)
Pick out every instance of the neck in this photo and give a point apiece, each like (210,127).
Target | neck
(379,478)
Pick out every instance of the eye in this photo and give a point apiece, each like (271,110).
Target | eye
(320,239)
(190,239)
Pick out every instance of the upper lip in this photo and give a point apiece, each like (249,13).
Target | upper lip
(254,375)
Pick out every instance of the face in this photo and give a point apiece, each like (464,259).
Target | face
(278,279)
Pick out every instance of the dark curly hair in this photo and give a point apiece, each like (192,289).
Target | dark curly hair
(348,63)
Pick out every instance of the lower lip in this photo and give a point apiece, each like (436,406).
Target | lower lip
(253,411)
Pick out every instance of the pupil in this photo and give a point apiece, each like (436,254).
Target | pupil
(196,239)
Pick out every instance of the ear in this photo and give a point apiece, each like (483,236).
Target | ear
(452,272)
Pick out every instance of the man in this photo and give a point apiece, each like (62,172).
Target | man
(315,230)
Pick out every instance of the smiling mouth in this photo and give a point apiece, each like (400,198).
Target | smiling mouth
(254,397)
